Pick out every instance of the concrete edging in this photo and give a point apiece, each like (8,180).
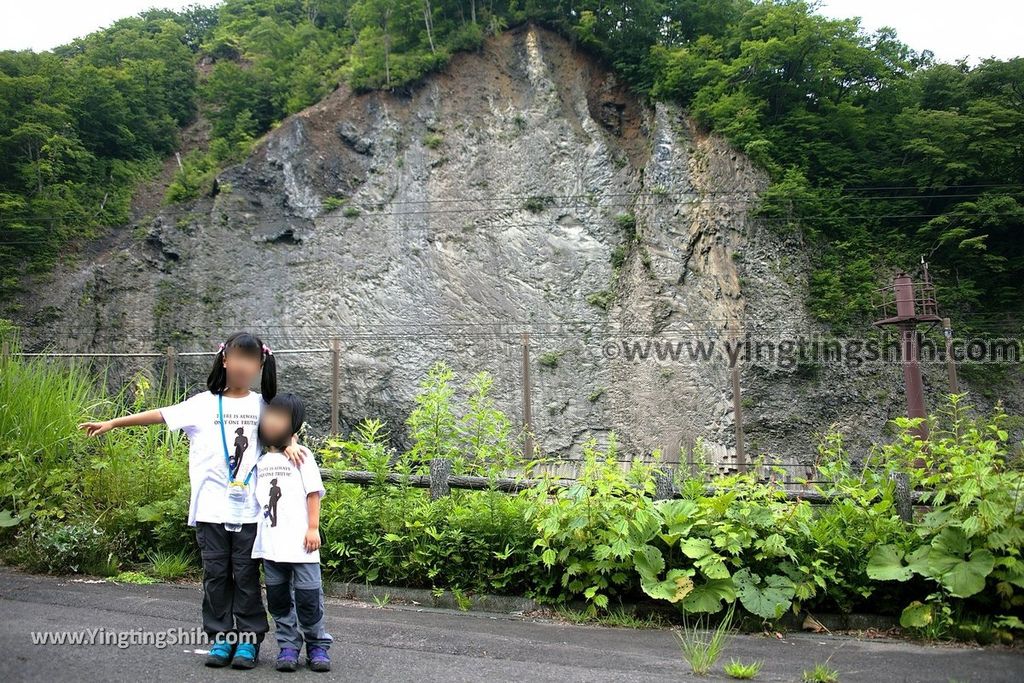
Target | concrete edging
(511,604)
(502,604)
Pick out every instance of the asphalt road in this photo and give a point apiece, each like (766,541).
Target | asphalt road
(412,644)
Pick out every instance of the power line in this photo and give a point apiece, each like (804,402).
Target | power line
(499,224)
(748,195)
(756,193)
(369,210)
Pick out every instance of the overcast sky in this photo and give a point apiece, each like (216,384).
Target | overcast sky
(951,29)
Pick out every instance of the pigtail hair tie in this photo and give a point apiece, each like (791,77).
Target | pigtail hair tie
(220,348)
(267,351)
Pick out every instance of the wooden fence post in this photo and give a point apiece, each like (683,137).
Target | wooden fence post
(663,484)
(440,472)
(335,379)
(904,503)
(5,351)
(527,399)
(170,373)
(737,413)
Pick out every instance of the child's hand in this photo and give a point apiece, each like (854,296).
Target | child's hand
(312,541)
(96,428)
(295,453)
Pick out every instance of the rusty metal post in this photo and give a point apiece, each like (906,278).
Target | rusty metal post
(912,378)
(335,380)
(947,332)
(909,313)
(527,399)
(903,287)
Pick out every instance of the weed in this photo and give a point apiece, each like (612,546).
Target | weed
(138,578)
(821,673)
(737,669)
(168,566)
(700,647)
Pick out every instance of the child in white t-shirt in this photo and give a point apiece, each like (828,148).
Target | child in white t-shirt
(226,526)
(288,538)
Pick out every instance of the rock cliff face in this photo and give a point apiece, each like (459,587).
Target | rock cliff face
(521,189)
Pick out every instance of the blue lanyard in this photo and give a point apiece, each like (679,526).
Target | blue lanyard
(224,440)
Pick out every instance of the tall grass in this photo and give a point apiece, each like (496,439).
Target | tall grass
(41,448)
(701,647)
(41,403)
(50,470)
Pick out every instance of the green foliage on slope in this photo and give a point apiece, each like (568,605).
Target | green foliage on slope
(877,153)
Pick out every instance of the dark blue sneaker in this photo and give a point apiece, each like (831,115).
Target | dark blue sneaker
(317,659)
(220,654)
(288,659)
(246,655)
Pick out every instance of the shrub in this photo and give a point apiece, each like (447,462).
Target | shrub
(627,224)
(65,546)
(588,533)
(537,204)
(433,140)
(171,565)
(968,547)
(194,178)
(331,203)
(473,541)
(602,299)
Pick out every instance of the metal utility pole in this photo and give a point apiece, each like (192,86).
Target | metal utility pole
(737,414)
(335,380)
(905,305)
(527,399)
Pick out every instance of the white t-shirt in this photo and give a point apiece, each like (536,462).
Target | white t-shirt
(199,418)
(281,489)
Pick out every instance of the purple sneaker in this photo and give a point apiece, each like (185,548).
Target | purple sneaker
(288,659)
(317,659)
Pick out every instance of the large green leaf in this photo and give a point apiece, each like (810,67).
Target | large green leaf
(643,527)
(963,578)
(678,515)
(8,520)
(648,562)
(675,587)
(708,596)
(916,615)
(713,566)
(149,513)
(952,541)
(885,563)
(918,560)
(695,548)
(769,597)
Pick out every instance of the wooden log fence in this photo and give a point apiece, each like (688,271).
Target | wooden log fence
(440,481)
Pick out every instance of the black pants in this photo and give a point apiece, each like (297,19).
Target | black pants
(232,599)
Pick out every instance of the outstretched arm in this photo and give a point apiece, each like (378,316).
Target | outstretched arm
(149,417)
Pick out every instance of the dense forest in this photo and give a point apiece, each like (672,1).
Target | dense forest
(878,153)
